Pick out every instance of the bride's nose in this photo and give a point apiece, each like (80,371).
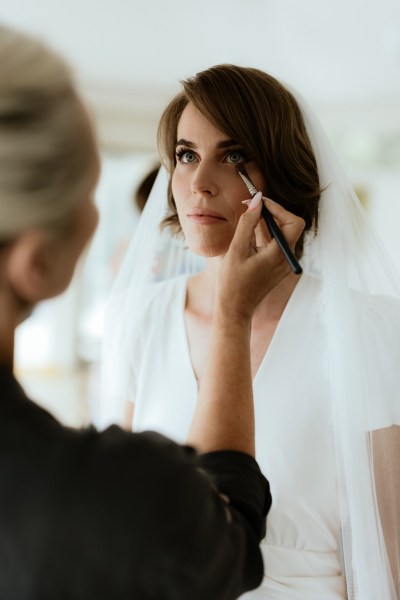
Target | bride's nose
(204,181)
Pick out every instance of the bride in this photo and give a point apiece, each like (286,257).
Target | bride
(325,354)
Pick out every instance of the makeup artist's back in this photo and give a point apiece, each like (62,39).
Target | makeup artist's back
(83,513)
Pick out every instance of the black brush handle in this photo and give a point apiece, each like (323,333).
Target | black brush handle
(281,240)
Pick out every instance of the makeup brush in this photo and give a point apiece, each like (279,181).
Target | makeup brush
(271,224)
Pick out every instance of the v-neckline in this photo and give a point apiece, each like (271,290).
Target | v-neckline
(266,357)
(279,330)
(185,340)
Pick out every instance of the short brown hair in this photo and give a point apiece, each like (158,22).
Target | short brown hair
(258,112)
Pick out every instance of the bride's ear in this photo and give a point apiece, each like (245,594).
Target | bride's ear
(30,266)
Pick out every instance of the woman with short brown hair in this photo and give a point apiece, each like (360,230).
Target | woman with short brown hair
(324,346)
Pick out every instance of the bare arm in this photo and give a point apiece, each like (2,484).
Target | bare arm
(128,416)
(224,417)
(385,448)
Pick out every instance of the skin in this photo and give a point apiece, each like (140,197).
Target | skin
(205,183)
(205,179)
(234,309)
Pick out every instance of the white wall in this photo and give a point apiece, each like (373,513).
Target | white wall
(331,50)
(344,56)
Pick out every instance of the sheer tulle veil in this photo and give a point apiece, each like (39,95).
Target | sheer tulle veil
(360,308)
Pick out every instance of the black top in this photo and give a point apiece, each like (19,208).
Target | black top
(116,515)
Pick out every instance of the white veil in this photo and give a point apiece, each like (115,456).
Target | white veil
(151,257)
(360,307)
(363,360)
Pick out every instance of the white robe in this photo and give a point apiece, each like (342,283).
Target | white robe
(294,434)
(294,438)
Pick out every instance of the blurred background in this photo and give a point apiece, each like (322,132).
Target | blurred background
(128,57)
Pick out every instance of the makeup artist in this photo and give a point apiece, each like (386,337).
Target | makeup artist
(88,515)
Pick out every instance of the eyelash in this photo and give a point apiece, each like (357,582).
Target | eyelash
(182,151)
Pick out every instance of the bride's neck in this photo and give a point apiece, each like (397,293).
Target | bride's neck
(202,286)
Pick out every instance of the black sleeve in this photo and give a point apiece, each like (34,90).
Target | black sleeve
(138,517)
(238,476)
(227,560)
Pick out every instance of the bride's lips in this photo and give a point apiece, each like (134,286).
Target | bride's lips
(204,216)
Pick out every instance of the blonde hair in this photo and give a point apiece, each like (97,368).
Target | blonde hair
(46,155)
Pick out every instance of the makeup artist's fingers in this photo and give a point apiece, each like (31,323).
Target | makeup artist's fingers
(245,230)
(291,225)
(262,234)
(248,273)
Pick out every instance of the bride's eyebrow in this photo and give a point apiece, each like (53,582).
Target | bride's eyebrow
(227,144)
(223,144)
(183,142)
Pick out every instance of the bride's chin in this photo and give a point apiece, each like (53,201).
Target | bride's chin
(207,251)
(206,245)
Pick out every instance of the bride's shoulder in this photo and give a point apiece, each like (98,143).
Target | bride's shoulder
(379,320)
(165,291)
(381,307)
(160,297)
(145,299)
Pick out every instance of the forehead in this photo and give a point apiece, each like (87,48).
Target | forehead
(194,125)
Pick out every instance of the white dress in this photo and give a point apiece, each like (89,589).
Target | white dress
(294,436)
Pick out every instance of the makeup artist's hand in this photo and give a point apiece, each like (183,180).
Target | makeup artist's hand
(254,263)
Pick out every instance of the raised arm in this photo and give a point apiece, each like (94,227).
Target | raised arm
(224,417)
(223,424)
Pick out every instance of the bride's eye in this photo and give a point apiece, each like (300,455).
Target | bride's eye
(236,157)
(185,156)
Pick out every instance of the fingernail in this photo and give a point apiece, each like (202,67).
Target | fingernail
(255,201)
(246,202)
